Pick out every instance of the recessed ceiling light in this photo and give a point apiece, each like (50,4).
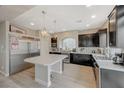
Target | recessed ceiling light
(88,5)
(32,24)
(93,16)
(87,25)
(79,21)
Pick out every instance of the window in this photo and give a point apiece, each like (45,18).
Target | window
(68,44)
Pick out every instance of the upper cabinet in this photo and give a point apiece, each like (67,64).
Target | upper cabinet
(88,40)
(112,27)
(120,26)
(116,27)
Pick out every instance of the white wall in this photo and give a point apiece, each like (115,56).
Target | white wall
(103,36)
(103,40)
(4,48)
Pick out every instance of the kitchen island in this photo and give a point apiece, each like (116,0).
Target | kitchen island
(44,65)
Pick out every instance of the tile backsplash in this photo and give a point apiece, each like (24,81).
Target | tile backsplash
(96,50)
(113,51)
(110,52)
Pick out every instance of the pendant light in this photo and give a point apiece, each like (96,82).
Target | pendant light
(44,30)
(54,36)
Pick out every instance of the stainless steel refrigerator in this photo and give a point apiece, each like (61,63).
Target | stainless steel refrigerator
(19,50)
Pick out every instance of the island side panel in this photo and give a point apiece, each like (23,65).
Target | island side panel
(42,75)
(57,68)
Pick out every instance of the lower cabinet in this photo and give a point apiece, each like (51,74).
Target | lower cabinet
(112,79)
(81,59)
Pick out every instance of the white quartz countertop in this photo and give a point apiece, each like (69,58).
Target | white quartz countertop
(49,59)
(108,64)
(77,53)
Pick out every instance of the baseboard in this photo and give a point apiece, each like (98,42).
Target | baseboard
(3,73)
(7,74)
(47,84)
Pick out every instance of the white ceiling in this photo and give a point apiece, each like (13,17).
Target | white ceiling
(71,17)
(9,12)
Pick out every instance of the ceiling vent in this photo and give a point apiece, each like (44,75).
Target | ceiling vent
(79,21)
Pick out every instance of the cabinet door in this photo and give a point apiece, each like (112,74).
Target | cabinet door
(95,40)
(120,26)
(81,59)
(112,78)
(89,40)
(112,28)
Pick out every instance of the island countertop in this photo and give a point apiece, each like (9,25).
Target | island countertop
(49,59)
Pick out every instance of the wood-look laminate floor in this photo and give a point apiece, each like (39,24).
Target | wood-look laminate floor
(74,76)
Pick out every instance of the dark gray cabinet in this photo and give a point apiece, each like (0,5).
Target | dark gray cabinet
(88,40)
(81,59)
(120,26)
(116,27)
(112,79)
(112,27)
